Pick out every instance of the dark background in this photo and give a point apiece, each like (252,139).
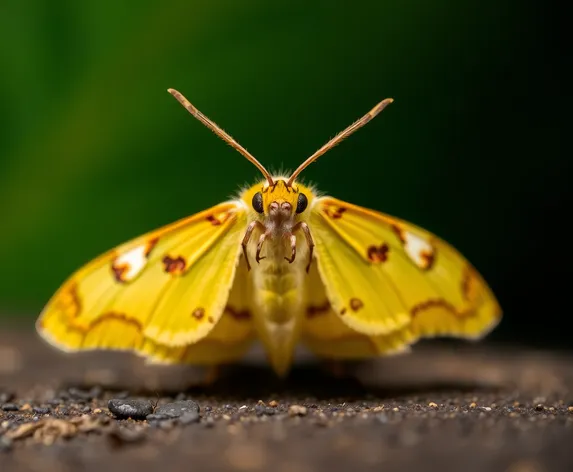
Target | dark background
(94,151)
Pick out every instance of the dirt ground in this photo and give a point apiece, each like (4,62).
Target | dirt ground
(444,407)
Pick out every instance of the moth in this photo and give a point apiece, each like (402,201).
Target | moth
(280,264)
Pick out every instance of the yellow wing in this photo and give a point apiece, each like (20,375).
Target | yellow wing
(387,283)
(162,294)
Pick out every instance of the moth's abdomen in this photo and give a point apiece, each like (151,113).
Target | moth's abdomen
(278,297)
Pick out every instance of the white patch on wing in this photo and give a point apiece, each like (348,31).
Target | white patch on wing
(418,249)
(128,265)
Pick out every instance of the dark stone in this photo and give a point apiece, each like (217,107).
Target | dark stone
(178,408)
(135,409)
(10,407)
(41,410)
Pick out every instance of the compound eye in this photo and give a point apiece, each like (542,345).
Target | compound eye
(258,202)
(301,203)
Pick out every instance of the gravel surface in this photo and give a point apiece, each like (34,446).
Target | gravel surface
(444,407)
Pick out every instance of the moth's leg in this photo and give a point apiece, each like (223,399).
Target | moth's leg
(306,230)
(292,247)
(247,237)
(260,246)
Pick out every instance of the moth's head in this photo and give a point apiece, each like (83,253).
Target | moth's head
(278,202)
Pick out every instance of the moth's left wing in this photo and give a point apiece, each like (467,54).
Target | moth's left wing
(384,277)
(167,295)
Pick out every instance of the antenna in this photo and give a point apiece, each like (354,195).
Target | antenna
(339,137)
(220,132)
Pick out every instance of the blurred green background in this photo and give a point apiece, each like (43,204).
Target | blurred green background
(94,151)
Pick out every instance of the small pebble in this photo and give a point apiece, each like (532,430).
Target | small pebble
(10,407)
(433,405)
(177,409)
(297,410)
(135,409)
(539,407)
(40,410)
(273,403)
(570,409)
(261,410)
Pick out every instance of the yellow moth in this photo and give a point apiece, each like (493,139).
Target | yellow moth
(279,264)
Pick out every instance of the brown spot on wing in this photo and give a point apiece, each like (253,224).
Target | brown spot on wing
(211,320)
(441,303)
(399,232)
(198,313)
(150,245)
(428,258)
(334,212)
(218,219)
(214,221)
(117,316)
(119,271)
(239,315)
(343,311)
(174,266)
(356,304)
(69,302)
(469,286)
(378,254)
(315,310)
